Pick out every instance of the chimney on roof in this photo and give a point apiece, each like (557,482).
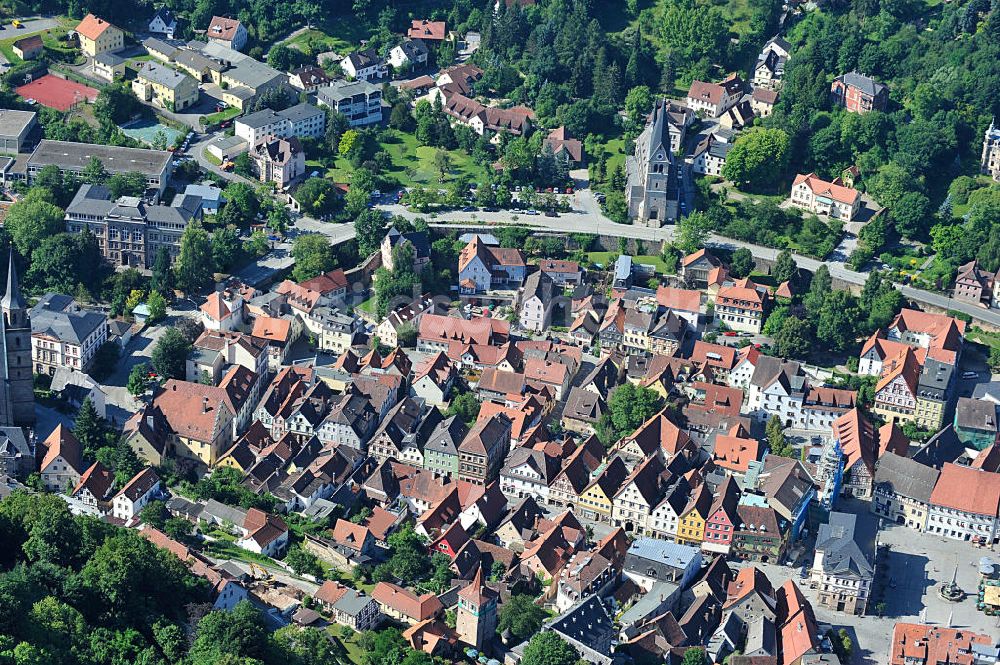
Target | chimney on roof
(204,405)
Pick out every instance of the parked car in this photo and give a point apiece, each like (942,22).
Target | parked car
(970,375)
(531,212)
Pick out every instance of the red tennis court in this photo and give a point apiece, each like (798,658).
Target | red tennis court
(57,93)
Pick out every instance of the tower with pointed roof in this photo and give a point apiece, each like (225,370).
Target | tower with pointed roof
(476,617)
(17,402)
(651,191)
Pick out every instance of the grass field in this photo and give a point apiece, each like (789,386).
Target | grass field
(413,164)
(339,33)
(990,339)
(604,258)
(222,115)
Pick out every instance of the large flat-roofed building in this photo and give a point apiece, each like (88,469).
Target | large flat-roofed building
(17,130)
(360,101)
(73,158)
(130,232)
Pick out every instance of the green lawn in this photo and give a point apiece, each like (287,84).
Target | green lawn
(413,164)
(604,258)
(990,339)
(339,33)
(368,305)
(345,648)
(222,116)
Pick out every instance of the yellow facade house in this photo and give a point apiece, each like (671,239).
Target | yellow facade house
(595,501)
(691,526)
(199,420)
(98,36)
(165,87)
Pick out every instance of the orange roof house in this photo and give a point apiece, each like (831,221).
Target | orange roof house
(834,190)
(919,644)
(859,447)
(271,330)
(734,451)
(403,604)
(967,490)
(92,27)
(429,31)
(562,145)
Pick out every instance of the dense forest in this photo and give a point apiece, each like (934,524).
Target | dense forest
(78,591)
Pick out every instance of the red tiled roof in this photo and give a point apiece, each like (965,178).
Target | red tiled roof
(918,643)
(62,442)
(427,30)
(404,601)
(92,27)
(834,190)
(684,300)
(727,355)
(222,28)
(966,489)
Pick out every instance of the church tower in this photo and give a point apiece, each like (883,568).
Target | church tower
(17,406)
(476,617)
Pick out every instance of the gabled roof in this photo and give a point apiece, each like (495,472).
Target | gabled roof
(659,433)
(97,480)
(734,451)
(905,477)
(62,443)
(857,439)
(222,28)
(750,580)
(404,601)
(834,190)
(140,484)
(968,490)
(92,27)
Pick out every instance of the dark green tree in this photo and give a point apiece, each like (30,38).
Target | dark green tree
(194,266)
(521,616)
(169,357)
(313,256)
(742,263)
(784,269)
(547,648)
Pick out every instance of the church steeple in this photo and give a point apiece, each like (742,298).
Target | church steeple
(12,298)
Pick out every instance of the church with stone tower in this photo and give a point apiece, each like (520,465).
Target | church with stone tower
(17,401)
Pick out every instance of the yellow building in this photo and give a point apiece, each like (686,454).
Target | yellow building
(198,420)
(165,87)
(930,413)
(691,525)
(98,36)
(595,501)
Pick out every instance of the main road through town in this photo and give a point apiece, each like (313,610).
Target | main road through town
(586,217)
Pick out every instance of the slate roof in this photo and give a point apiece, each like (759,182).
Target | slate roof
(905,477)
(843,554)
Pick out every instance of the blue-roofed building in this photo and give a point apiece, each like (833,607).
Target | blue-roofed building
(651,560)
(211,197)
